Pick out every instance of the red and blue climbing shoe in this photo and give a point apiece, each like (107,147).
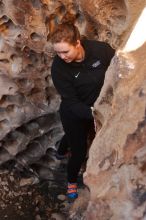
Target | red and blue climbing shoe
(60,157)
(72,191)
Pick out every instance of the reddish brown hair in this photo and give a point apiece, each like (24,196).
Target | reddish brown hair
(65,32)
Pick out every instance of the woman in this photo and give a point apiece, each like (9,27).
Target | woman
(78,72)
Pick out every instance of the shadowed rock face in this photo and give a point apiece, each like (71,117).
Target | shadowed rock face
(29,121)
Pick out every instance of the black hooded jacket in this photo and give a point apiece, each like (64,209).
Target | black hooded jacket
(80,83)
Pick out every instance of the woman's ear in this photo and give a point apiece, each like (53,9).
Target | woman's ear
(78,44)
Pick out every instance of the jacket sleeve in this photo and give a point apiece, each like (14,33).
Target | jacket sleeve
(63,84)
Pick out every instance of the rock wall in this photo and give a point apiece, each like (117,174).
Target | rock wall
(115,171)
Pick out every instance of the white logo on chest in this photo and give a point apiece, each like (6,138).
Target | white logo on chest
(77,74)
(97,63)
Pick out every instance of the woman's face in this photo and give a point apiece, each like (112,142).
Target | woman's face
(66,51)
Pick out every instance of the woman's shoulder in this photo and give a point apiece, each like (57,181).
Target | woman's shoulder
(94,43)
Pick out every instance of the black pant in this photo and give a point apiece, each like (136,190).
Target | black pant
(76,133)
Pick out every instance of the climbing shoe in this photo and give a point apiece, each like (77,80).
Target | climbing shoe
(72,191)
(61,156)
